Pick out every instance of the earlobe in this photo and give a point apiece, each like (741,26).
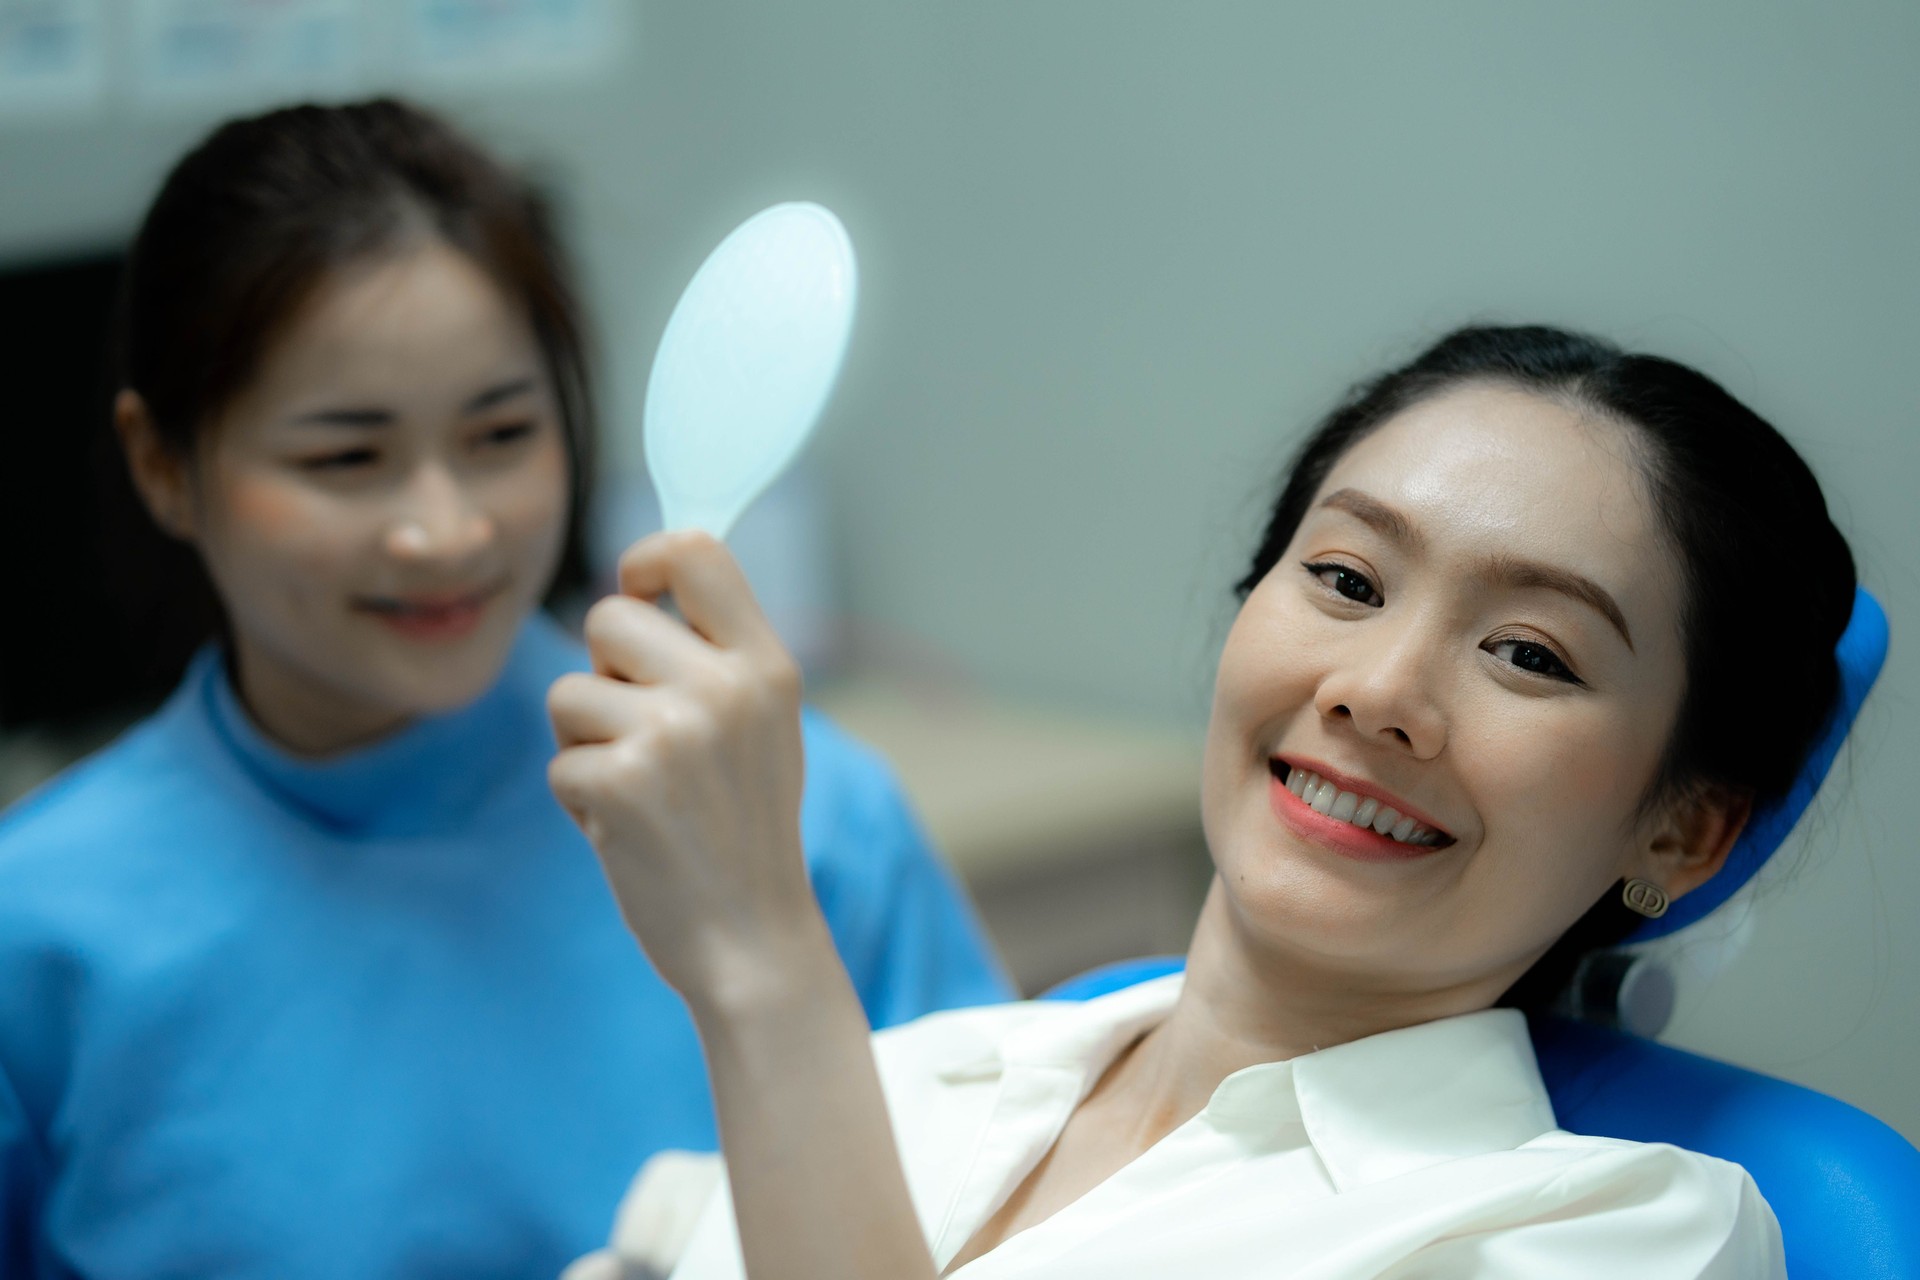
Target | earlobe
(159,473)
(1692,842)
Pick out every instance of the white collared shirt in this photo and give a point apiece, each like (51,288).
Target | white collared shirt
(1428,1152)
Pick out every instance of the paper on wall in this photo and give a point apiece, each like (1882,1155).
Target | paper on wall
(472,39)
(222,50)
(52,56)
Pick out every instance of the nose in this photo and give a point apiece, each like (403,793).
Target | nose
(1385,688)
(437,519)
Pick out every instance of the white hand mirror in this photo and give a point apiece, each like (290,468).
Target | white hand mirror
(747,362)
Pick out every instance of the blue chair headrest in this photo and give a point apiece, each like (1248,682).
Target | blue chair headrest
(1861,652)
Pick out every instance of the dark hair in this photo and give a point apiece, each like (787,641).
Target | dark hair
(1743,511)
(250,223)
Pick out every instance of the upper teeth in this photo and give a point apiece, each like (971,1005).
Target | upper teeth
(1362,811)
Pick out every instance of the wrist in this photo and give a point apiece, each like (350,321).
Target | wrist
(772,980)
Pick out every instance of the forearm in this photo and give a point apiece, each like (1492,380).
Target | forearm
(817,1186)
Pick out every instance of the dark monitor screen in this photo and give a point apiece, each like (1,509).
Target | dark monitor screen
(101,609)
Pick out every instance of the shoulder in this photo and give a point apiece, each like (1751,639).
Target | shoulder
(121,789)
(1597,1161)
(154,815)
(1718,1199)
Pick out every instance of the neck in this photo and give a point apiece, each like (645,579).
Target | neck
(301,716)
(1244,1003)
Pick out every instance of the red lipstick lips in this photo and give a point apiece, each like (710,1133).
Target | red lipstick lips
(1361,843)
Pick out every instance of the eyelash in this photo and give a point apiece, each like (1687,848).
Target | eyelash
(343,461)
(1562,671)
(1329,566)
(1557,666)
(507,433)
(348,459)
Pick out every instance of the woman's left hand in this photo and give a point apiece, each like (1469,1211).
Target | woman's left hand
(680,757)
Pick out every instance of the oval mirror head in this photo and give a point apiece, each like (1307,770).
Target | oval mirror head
(747,362)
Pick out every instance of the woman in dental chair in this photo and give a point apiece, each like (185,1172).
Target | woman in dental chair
(1534,626)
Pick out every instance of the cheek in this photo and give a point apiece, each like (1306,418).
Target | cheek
(529,503)
(1264,681)
(1563,770)
(267,511)
(269,525)
(1270,668)
(1558,795)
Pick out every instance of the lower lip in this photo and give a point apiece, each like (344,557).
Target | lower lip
(1362,844)
(437,625)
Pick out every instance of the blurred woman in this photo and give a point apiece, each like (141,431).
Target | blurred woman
(308,975)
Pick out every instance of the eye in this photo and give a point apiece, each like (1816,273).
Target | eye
(345,460)
(1533,658)
(1346,582)
(505,434)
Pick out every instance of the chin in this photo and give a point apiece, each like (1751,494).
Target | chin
(434,681)
(1288,899)
(458,683)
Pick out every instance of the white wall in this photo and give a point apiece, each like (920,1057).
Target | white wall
(1117,254)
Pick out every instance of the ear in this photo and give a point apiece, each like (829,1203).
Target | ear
(159,471)
(1692,838)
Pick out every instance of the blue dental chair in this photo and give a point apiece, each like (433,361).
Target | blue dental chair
(1845,1187)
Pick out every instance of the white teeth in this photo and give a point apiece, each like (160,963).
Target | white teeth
(1324,797)
(1347,806)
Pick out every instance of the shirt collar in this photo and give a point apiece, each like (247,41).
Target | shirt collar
(436,774)
(1391,1103)
(1373,1108)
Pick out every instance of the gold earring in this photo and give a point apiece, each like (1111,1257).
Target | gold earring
(1646,897)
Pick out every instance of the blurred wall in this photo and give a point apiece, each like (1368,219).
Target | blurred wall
(1116,254)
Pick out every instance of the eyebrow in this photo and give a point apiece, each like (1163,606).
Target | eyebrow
(1503,570)
(497,393)
(372,417)
(1369,510)
(1522,574)
(345,418)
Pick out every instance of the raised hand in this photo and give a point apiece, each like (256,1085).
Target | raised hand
(681,760)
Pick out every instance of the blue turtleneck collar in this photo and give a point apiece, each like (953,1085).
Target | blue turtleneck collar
(435,776)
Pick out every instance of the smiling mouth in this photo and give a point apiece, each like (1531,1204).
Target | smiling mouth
(1367,813)
(438,616)
(426,604)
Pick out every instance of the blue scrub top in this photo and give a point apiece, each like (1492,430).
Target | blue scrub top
(375,1016)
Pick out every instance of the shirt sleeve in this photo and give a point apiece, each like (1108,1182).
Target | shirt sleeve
(905,929)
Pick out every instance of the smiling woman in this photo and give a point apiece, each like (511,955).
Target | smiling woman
(1697,512)
(383,501)
(1514,663)
(364,404)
